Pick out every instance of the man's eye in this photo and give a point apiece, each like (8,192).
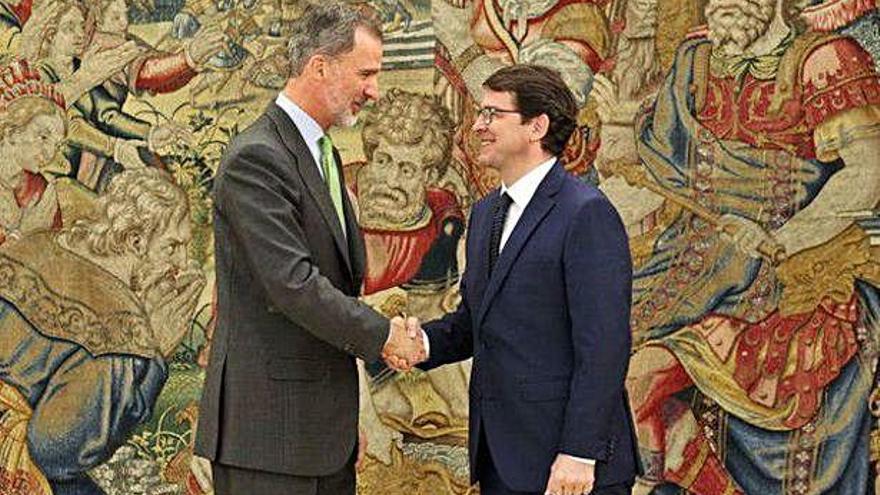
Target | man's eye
(408,169)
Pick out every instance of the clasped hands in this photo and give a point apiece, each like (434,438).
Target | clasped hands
(405,347)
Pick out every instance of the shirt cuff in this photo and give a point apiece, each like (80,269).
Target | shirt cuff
(427,343)
(583,460)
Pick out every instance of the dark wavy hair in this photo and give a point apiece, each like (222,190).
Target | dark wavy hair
(539,90)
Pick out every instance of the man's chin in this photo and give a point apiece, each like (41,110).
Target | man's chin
(487,161)
(347,120)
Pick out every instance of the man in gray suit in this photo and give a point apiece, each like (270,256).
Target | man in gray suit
(280,402)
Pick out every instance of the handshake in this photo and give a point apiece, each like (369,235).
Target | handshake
(405,347)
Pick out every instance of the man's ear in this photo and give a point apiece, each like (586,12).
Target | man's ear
(540,126)
(316,66)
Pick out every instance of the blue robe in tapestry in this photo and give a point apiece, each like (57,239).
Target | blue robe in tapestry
(76,344)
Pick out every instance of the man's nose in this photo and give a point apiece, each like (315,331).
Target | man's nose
(371,91)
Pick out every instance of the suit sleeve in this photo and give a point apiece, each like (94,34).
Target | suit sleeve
(262,213)
(598,284)
(451,337)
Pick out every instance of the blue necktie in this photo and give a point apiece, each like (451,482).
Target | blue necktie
(499,214)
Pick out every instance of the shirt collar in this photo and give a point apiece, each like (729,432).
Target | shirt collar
(522,190)
(308,127)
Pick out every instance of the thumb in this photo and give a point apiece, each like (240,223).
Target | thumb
(412,327)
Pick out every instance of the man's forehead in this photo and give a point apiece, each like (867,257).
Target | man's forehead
(357,60)
(496,98)
(365,41)
(365,37)
(364,44)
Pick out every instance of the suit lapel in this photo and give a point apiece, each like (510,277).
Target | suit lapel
(308,170)
(478,264)
(538,208)
(356,251)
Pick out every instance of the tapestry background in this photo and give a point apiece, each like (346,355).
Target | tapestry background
(748,183)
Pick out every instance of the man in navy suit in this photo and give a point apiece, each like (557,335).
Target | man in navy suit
(545,307)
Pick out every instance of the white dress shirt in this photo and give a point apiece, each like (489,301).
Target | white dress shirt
(521,193)
(308,127)
(311,132)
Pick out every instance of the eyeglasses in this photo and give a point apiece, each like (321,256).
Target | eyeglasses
(487,114)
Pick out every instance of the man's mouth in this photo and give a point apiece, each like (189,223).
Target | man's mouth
(387,197)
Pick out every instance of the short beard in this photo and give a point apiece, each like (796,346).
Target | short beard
(147,275)
(346,119)
(747,22)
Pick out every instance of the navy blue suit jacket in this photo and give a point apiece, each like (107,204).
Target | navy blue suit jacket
(550,337)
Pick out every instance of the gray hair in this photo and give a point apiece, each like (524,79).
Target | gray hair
(327,29)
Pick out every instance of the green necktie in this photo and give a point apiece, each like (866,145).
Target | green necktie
(331,177)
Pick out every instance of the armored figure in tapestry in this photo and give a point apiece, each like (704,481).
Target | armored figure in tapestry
(98,290)
(755,311)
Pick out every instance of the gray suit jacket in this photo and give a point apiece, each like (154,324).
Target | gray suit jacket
(281,392)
